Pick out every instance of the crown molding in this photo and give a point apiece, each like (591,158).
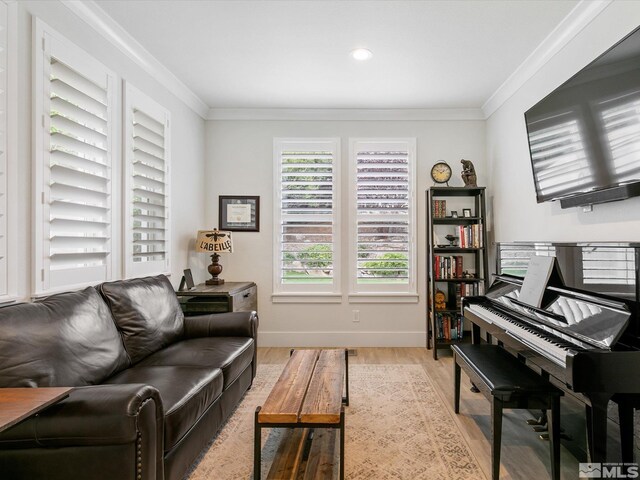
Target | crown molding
(345,114)
(106,26)
(577,19)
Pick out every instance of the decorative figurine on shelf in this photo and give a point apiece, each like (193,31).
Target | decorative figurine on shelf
(466,274)
(469,173)
(452,240)
(440,300)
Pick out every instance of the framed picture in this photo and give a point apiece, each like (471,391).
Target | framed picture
(239,213)
(454,214)
(187,281)
(466,212)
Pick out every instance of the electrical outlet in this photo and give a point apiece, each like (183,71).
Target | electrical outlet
(356,315)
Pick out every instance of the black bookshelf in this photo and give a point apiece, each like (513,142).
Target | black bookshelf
(447,264)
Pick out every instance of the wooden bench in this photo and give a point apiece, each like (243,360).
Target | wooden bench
(508,383)
(308,395)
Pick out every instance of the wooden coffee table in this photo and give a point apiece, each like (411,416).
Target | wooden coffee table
(16,404)
(308,395)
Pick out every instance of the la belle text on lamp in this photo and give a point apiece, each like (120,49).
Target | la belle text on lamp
(214,242)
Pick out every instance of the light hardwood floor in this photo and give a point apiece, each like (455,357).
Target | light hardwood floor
(524,455)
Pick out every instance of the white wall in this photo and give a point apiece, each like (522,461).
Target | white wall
(187,138)
(516,215)
(240,162)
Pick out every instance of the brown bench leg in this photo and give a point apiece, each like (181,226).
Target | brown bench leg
(496,436)
(456,385)
(554,437)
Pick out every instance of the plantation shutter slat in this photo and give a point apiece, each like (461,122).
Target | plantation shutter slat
(4,283)
(383,214)
(147,232)
(307,212)
(74,166)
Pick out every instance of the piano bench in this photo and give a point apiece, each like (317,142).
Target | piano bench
(507,383)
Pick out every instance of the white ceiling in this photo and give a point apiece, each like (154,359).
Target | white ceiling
(295,54)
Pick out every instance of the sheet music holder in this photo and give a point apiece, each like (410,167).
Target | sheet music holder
(542,271)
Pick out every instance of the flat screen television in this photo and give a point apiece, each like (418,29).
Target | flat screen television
(584,137)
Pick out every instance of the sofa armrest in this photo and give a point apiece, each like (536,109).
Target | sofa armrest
(94,415)
(232,324)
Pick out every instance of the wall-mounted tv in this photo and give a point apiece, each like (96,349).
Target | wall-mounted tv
(584,137)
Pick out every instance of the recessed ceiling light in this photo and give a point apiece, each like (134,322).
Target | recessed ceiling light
(361,54)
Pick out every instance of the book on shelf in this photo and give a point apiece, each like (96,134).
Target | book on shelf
(449,326)
(439,208)
(448,266)
(470,236)
(461,290)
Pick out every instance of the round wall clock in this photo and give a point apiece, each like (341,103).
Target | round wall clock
(441,172)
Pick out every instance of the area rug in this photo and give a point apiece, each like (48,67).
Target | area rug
(397,428)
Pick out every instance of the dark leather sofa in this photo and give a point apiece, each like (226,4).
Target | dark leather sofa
(152,387)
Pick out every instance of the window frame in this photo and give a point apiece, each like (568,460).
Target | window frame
(382,292)
(287,293)
(8,146)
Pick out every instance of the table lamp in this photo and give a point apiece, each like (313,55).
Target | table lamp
(214,242)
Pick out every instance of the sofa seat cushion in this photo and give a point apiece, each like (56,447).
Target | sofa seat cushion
(230,354)
(186,393)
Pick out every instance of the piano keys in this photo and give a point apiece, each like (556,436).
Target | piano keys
(583,342)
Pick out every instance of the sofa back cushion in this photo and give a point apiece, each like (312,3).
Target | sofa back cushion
(67,339)
(147,313)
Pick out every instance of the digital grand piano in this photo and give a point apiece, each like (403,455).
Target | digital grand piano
(585,342)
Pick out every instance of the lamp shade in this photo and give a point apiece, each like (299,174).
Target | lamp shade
(214,241)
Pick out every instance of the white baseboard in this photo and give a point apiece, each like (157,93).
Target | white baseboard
(342,339)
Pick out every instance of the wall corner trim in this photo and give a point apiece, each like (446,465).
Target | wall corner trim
(577,19)
(346,114)
(101,22)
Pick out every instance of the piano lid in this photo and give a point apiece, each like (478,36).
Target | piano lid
(595,323)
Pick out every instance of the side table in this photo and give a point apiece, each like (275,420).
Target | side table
(16,404)
(228,297)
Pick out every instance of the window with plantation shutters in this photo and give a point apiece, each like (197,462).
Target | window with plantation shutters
(383,216)
(306,209)
(146,232)
(4,184)
(73,168)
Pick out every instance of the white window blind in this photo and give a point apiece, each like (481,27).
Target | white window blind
(383,213)
(4,284)
(74,122)
(147,152)
(306,247)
